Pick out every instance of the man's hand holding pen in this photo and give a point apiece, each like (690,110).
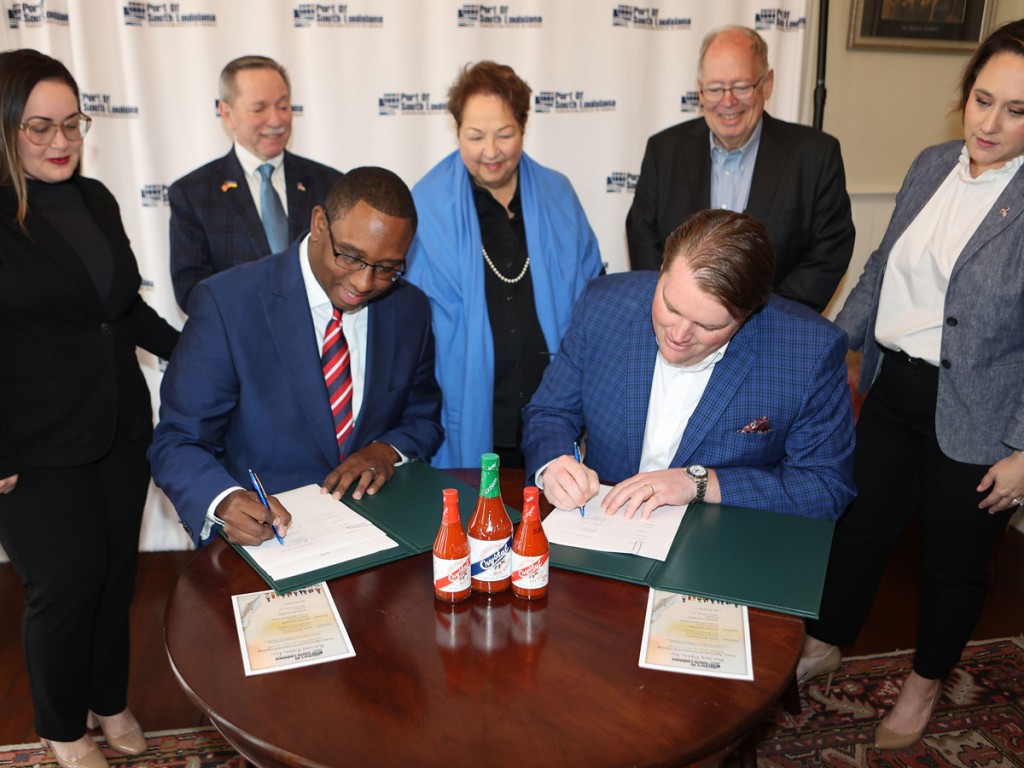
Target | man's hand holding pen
(246,521)
(372,466)
(568,484)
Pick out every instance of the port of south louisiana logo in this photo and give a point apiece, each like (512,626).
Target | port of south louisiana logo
(410,104)
(778,19)
(476,15)
(639,17)
(564,102)
(140,14)
(153,195)
(621,181)
(34,15)
(101,105)
(307,15)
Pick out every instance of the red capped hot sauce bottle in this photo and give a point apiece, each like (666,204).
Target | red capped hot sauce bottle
(530,552)
(490,533)
(451,553)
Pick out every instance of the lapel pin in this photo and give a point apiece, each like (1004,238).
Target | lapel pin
(228,185)
(300,186)
(1003,212)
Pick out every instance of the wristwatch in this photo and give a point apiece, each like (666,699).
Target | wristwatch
(699,475)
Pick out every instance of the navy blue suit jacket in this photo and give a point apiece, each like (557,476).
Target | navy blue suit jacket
(244,387)
(214,222)
(785,363)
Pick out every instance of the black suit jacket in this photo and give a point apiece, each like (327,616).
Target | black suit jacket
(214,222)
(69,377)
(798,191)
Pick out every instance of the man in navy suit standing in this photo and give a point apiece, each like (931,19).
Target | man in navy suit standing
(696,384)
(737,157)
(257,198)
(315,365)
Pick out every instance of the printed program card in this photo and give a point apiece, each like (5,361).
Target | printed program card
(296,629)
(696,636)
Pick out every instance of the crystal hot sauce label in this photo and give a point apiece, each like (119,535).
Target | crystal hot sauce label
(530,572)
(451,575)
(490,559)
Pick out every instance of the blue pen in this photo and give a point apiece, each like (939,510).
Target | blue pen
(258,487)
(576,453)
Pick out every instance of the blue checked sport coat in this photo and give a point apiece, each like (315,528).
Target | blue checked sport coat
(785,363)
(214,222)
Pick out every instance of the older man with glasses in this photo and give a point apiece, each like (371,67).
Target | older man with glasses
(737,157)
(314,365)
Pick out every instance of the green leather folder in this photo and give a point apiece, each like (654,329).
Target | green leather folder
(407,508)
(740,555)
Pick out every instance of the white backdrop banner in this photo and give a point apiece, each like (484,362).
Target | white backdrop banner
(369,86)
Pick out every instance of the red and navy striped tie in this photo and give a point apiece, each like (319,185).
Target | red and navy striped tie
(338,375)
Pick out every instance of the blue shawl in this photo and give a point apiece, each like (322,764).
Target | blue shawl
(446,262)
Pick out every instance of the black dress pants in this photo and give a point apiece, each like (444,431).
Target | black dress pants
(899,469)
(72,534)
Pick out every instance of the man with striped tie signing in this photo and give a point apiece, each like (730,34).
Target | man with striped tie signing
(315,365)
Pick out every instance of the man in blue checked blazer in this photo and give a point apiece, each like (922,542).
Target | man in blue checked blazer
(696,384)
(216,210)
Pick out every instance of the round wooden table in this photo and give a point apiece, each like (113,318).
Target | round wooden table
(497,682)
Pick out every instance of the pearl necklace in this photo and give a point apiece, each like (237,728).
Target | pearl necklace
(497,274)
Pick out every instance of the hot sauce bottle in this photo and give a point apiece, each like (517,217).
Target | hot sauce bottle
(490,533)
(530,552)
(451,553)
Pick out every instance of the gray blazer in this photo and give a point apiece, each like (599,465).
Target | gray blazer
(980,413)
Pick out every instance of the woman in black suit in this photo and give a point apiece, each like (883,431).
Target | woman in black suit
(75,415)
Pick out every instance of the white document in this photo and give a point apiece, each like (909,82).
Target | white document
(614,533)
(696,636)
(292,630)
(323,532)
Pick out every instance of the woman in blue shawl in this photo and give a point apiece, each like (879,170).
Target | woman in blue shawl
(502,250)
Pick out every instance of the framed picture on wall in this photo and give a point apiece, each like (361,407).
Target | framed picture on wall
(950,26)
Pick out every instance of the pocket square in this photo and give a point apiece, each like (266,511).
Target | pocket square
(760,424)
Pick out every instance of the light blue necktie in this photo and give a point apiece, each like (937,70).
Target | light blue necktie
(275,223)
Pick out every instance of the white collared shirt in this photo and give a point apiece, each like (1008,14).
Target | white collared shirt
(912,299)
(250,163)
(675,392)
(353,324)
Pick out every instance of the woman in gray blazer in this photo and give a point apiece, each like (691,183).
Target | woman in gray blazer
(939,316)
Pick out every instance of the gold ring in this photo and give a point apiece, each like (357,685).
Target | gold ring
(652,489)
(373,469)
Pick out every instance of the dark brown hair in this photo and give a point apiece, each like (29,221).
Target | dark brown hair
(492,79)
(20,72)
(379,188)
(730,255)
(1008,38)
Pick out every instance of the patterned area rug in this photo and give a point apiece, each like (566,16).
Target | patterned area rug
(978,722)
(185,748)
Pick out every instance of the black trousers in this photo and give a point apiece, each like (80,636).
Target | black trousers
(899,469)
(72,534)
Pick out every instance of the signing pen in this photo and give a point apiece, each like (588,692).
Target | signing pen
(258,487)
(576,453)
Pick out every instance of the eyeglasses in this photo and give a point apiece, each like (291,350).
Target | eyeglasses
(355,264)
(740,91)
(41,131)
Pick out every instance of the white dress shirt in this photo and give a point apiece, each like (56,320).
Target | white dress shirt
(912,300)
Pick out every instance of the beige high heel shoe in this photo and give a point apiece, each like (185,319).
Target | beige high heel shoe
(131,742)
(93,758)
(888,739)
(828,662)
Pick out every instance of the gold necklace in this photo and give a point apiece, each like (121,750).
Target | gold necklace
(497,274)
